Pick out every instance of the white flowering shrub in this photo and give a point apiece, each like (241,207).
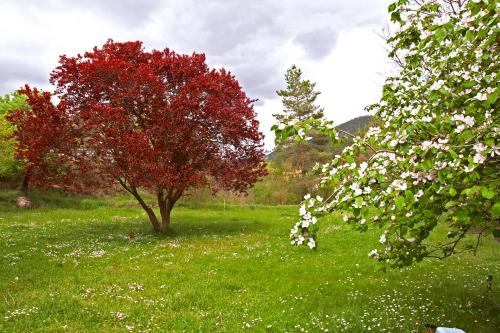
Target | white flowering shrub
(434,160)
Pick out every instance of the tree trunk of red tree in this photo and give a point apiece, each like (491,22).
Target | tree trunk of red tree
(151,214)
(25,185)
(166,202)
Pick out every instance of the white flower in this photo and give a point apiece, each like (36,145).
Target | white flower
(469,121)
(459,128)
(426,145)
(437,85)
(467,169)
(481,97)
(479,158)
(382,239)
(135,286)
(374,253)
(300,240)
(118,315)
(479,148)
(311,243)
(362,167)
(97,253)
(399,184)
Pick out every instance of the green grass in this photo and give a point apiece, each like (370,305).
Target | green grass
(94,265)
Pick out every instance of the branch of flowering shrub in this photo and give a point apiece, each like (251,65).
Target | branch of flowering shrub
(436,152)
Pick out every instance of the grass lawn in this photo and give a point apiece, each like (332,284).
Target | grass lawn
(94,265)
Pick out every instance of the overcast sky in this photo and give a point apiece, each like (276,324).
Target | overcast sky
(335,42)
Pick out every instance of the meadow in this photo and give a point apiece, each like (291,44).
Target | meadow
(76,264)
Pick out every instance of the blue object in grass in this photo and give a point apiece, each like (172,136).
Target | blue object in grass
(448,330)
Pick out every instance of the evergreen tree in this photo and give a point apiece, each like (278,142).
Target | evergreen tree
(298,98)
(299,104)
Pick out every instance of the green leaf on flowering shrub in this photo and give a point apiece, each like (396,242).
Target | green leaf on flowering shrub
(469,84)
(469,35)
(491,99)
(440,34)
(409,195)
(349,159)
(487,193)
(453,154)
(450,204)
(399,202)
(452,191)
(427,164)
(495,210)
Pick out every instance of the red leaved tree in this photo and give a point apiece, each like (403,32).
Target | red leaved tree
(45,141)
(160,121)
(38,133)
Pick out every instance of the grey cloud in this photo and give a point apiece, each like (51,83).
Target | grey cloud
(126,12)
(229,26)
(260,82)
(14,74)
(245,37)
(319,43)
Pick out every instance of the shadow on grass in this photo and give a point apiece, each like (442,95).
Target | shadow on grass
(49,199)
(140,230)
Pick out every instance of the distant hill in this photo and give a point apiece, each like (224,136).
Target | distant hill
(352,126)
(356,124)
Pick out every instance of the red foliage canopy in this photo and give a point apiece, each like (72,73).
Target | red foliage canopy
(39,131)
(159,120)
(46,142)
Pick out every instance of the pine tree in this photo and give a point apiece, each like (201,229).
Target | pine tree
(298,98)
(299,104)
